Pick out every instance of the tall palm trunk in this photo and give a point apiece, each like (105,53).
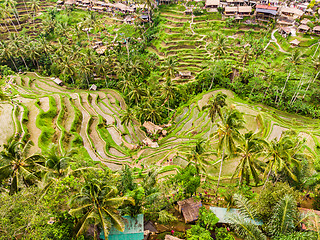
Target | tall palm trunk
(295,95)
(284,87)
(316,50)
(264,185)
(220,170)
(310,84)
(14,64)
(7,27)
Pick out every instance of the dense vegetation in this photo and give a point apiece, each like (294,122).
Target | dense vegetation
(63,194)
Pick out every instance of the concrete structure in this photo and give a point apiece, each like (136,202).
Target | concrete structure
(133,229)
(222,214)
(265,12)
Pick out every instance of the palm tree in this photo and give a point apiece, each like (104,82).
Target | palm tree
(7,14)
(284,218)
(293,60)
(220,47)
(18,165)
(170,67)
(135,92)
(151,112)
(249,151)
(127,117)
(228,133)
(6,53)
(11,6)
(215,105)
(169,90)
(283,154)
(199,156)
(16,43)
(243,221)
(98,201)
(34,7)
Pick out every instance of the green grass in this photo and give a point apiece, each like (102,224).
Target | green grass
(44,122)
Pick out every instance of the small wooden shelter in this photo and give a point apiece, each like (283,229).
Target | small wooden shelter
(190,209)
(185,74)
(244,10)
(149,228)
(93,87)
(58,81)
(295,42)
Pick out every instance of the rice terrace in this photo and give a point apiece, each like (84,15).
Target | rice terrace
(164,119)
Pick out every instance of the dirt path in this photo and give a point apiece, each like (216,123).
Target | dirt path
(83,129)
(69,114)
(97,141)
(6,120)
(274,40)
(34,131)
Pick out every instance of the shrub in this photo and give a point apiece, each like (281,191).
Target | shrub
(222,234)
(197,232)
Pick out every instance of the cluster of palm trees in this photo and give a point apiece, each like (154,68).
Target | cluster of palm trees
(96,199)
(9,11)
(256,157)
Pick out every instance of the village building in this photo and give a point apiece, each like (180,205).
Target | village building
(212,4)
(303,28)
(70,2)
(244,10)
(284,31)
(284,21)
(316,30)
(265,12)
(235,2)
(230,11)
(305,21)
(190,209)
(290,12)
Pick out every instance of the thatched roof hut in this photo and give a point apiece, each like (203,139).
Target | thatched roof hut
(190,209)
(58,81)
(295,42)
